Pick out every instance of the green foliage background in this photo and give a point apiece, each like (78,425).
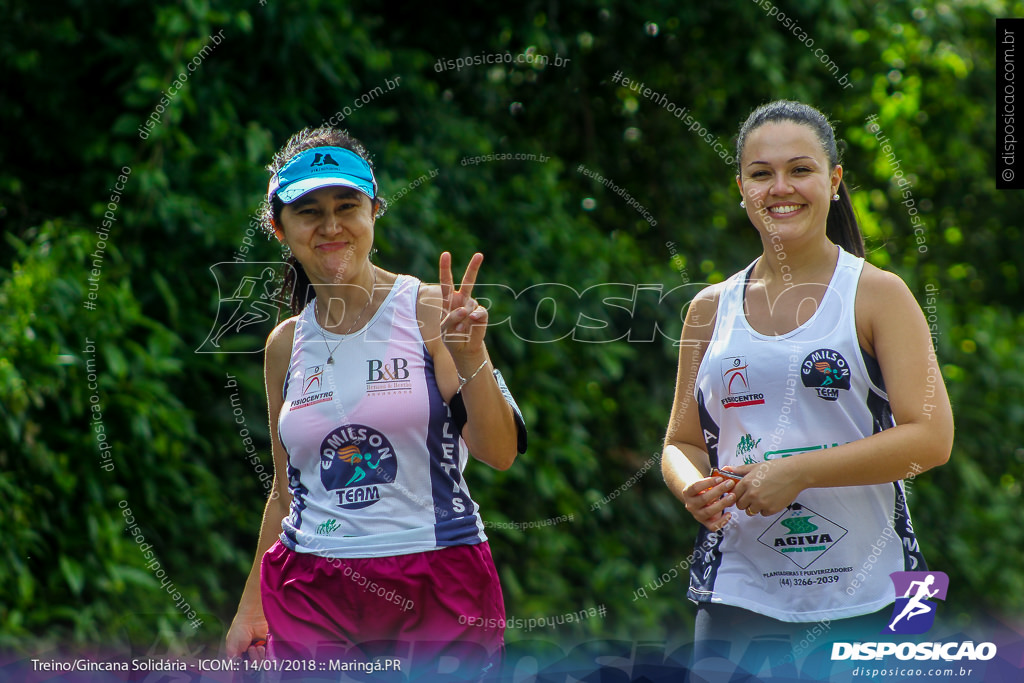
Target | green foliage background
(81,77)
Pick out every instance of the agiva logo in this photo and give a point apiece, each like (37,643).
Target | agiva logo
(914,613)
(802,535)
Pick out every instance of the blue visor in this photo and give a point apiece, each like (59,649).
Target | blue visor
(322,167)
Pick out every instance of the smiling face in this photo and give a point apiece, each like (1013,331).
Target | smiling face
(330,232)
(786,181)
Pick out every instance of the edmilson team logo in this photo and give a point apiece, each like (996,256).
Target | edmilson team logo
(737,384)
(356,461)
(914,612)
(826,371)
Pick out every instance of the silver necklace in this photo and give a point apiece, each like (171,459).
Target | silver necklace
(330,351)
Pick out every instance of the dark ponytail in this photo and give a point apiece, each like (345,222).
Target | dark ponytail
(297,287)
(841,226)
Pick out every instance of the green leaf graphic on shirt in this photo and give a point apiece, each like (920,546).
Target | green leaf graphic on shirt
(745,446)
(799,525)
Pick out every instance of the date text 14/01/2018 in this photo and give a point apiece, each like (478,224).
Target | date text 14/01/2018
(323,665)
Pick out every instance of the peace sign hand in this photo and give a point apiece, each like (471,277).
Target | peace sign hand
(463,321)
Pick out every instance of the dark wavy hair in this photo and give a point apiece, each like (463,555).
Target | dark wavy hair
(297,287)
(841,226)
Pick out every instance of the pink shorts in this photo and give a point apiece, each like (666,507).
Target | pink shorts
(416,607)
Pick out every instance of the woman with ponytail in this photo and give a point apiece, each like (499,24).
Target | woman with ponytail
(807,391)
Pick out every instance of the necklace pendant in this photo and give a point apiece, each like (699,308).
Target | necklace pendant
(330,360)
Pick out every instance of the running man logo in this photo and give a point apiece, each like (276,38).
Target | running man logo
(250,298)
(914,613)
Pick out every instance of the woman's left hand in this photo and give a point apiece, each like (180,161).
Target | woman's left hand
(767,488)
(463,321)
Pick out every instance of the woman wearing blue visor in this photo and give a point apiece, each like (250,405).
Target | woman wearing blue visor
(378,388)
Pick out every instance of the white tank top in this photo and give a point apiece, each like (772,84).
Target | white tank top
(760,397)
(374,459)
